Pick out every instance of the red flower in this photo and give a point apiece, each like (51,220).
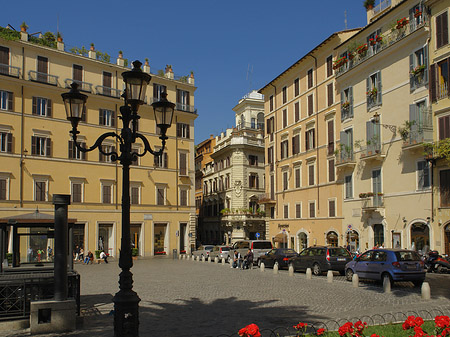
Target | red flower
(300,326)
(320,332)
(418,321)
(442,321)
(250,330)
(346,328)
(360,326)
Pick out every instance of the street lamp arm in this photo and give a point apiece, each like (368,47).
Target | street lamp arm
(148,148)
(97,144)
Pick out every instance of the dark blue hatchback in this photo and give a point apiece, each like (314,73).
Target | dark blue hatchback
(397,264)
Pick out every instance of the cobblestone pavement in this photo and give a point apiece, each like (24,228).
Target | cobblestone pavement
(187,298)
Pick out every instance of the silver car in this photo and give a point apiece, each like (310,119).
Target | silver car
(258,247)
(222,252)
(203,251)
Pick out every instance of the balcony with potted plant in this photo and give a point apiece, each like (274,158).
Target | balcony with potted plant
(345,157)
(372,201)
(373,150)
(417,131)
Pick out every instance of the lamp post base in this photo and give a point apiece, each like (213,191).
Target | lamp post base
(126,314)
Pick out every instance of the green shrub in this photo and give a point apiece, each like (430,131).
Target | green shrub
(97,254)
(134,251)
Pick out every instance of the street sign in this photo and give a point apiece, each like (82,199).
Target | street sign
(257,235)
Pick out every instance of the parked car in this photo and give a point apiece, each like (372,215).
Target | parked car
(258,247)
(397,264)
(222,252)
(277,256)
(203,251)
(321,259)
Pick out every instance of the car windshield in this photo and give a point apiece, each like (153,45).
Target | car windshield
(262,245)
(209,247)
(339,252)
(225,249)
(407,256)
(288,251)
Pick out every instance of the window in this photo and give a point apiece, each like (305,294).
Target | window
(298,211)
(160,195)
(253,180)
(329,66)
(40,190)
(441,30)
(271,103)
(183,130)
(444,127)
(106,117)
(158,89)
(418,68)
(348,182)
(330,92)
(297,111)
(423,175)
(285,118)
(42,107)
(135,161)
(296,87)
(74,153)
(183,164)
(77,74)
(332,208)
(284,93)
(6,100)
(330,126)
(135,193)
(310,105)
(107,82)
(41,146)
(107,193)
(183,100)
(346,145)
(77,191)
(284,149)
(183,197)
(331,173)
(253,160)
(285,181)
(373,84)
(347,103)
(270,160)
(373,137)
(286,211)
(311,175)
(106,149)
(42,69)
(312,209)
(310,142)
(270,127)
(372,44)
(6,142)
(161,160)
(310,78)
(444,187)
(297,174)
(4,60)
(3,189)
(296,143)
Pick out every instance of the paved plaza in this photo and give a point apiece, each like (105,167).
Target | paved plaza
(187,298)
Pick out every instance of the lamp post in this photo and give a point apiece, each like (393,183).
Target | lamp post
(126,301)
(376,120)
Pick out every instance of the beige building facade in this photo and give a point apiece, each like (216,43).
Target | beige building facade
(39,160)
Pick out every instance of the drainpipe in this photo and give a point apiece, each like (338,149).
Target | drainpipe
(22,135)
(275,148)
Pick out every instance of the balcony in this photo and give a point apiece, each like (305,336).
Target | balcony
(36,76)
(389,38)
(442,90)
(106,91)
(82,86)
(186,108)
(421,132)
(266,198)
(373,203)
(250,126)
(345,159)
(383,5)
(372,152)
(9,70)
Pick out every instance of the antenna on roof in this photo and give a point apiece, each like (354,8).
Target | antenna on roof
(345,19)
(249,77)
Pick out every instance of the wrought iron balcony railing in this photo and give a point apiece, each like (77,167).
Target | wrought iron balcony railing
(106,91)
(82,86)
(372,203)
(36,76)
(8,70)
(186,108)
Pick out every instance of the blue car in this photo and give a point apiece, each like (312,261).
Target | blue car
(397,264)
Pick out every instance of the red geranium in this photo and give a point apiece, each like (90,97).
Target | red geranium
(250,330)
(346,328)
(320,332)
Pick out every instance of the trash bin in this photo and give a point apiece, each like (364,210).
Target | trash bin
(174,253)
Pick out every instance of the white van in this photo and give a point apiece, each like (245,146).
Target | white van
(258,247)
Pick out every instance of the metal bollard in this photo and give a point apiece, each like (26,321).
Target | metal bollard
(308,274)
(330,276)
(426,291)
(386,284)
(262,267)
(355,281)
(291,270)
(275,268)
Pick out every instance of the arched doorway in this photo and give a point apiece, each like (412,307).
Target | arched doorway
(378,234)
(447,239)
(353,240)
(420,236)
(302,241)
(332,239)
(281,240)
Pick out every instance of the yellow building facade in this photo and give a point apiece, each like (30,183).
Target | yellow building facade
(303,200)
(39,160)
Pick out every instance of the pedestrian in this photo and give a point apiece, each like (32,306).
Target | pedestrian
(77,252)
(81,255)
(87,258)
(104,256)
(236,259)
(49,253)
(30,254)
(248,260)
(39,252)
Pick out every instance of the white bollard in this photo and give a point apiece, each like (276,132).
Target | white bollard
(426,291)
(330,276)
(386,284)
(262,267)
(216,260)
(223,262)
(291,270)
(355,281)
(203,259)
(275,268)
(308,274)
(180,257)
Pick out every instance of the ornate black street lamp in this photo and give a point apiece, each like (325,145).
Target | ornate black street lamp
(126,301)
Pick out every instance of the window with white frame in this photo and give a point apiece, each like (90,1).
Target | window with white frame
(40,189)
(107,117)
(348,182)
(5,142)
(310,139)
(284,148)
(76,191)
(312,209)
(41,146)
(331,170)
(160,195)
(347,103)
(285,180)
(286,211)
(183,164)
(310,78)
(373,86)
(4,188)
(423,175)
(42,107)
(6,100)
(135,161)
(135,194)
(418,68)
(284,94)
(298,210)
(74,152)
(297,176)
(183,130)
(107,192)
(158,89)
(106,149)
(311,174)
(161,161)
(253,180)
(296,142)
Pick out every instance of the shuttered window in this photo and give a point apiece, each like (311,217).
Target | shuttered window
(296,87)
(41,146)
(330,92)
(135,195)
(158,89)
(106,117)
(329,66)
(183,130)
(348,187)
(77,71)
(160,196)
(444,127)
(183,164)
(423,175)
(6,100)
(310,78)
(444,187)
(310,105)
(6,139)
(271,103)
(3,193)
(76,192)
(161,160)
(332,208)
(310,142)
(284,94)
(106,194)
(74,153)
(442,30)
(42,107)
(311,175)
(4,59)
(106,149)
(331,173)
(183,197)
(298,211)
(297,111)
(40,191)
(285,181)
(296,144)
(312,209)
(297,172)
(330,126)
(285,118)
(284,149)
(286,211)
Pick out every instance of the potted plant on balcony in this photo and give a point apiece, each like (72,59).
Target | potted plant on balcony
(368,4)
(372,93)
(379,38)
(346,105)
(362,49)
(380,194)
(92,48)
(370,194)
(362,195)
(417,13)
(402,22)
(23,27)
(405,130)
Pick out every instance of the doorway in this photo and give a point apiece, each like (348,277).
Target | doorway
(420,236)
(160,239)
(135,235)
(105,240)
(378,235)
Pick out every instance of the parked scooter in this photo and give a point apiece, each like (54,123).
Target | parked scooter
(437,263)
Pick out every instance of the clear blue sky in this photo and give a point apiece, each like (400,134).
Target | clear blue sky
(218,40)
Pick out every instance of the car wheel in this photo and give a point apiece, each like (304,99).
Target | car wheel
(349,275)
(439,269)
(316,269)
(229,259)
(417,283)
(259,263)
